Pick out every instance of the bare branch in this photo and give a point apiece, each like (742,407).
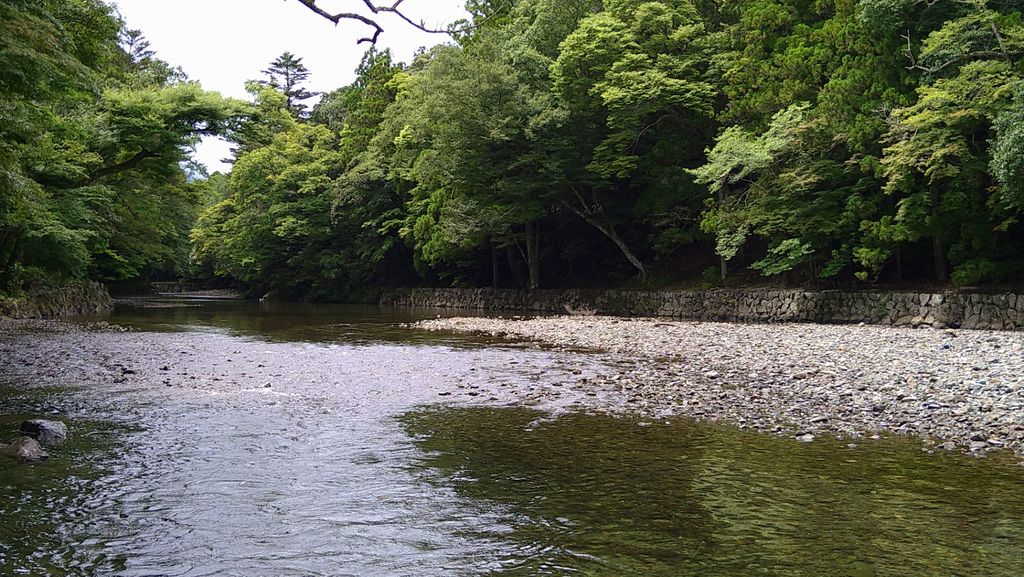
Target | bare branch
(394,8)
(909,52)
(336,18)
(636,143)
(1002,53)
(963,56)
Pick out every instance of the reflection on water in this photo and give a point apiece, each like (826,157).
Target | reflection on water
(609,496)
(367,474)
(283,322)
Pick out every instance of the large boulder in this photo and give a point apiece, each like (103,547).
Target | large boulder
(46,432)
(24,449)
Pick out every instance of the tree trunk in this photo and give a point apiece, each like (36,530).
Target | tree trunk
(899,264)
(723,264)
(609,231)
(494,265)
(938,252)
(939,256)
(514,265)
(533,254)
(7,258)
(991,15)
(7,235)
(16,257)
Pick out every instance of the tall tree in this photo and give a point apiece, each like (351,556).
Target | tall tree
(291,221)
(811,141)
(287,74)
(939,152)
(631,82)
(91,148)
(136,45)
(459,132)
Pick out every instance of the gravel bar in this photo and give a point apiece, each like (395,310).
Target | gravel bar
(957,389)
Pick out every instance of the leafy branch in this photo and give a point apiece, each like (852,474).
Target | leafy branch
(952,43)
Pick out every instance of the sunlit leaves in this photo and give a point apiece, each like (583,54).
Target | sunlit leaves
(91,140)
(1007,163)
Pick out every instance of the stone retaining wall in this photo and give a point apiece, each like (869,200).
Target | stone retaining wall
(173,287)
(74,300)
(946,309)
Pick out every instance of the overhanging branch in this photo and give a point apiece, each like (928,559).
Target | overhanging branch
(336,18)
(377,9)
(116,168)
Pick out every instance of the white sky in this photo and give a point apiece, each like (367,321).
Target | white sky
(223,43)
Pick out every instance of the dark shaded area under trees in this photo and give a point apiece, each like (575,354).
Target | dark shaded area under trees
(555,143)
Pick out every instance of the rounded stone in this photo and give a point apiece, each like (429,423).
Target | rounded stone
(25,449)
(45,431)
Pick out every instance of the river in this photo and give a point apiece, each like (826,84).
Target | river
(233,439)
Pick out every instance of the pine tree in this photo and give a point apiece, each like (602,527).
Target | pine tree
(136,46)
(287,74)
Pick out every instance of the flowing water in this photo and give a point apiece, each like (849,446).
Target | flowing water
(231,439)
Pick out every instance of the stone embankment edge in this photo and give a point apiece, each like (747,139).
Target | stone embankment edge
(968,310)
(85,298)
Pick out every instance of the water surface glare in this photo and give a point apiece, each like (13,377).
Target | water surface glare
(376,450)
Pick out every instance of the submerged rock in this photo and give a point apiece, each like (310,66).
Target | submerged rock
(46,432)
(25,449)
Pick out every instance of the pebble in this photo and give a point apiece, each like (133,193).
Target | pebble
(837,379)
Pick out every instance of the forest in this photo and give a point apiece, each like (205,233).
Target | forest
(550,143)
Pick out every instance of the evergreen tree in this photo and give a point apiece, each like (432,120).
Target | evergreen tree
(136,45)
(288,74)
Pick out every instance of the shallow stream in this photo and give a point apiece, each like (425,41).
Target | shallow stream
(226,438)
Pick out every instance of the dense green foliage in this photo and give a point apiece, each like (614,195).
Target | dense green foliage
(575,142)
(94,132)
(558,142)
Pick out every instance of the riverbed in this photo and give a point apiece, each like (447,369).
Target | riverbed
(958,389)
(230,438)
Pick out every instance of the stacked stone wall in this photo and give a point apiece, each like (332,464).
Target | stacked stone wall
(80,299)
(173,287)
(1004,311)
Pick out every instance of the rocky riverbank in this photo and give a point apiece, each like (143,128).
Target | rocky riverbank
(956,388)
(86,298)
